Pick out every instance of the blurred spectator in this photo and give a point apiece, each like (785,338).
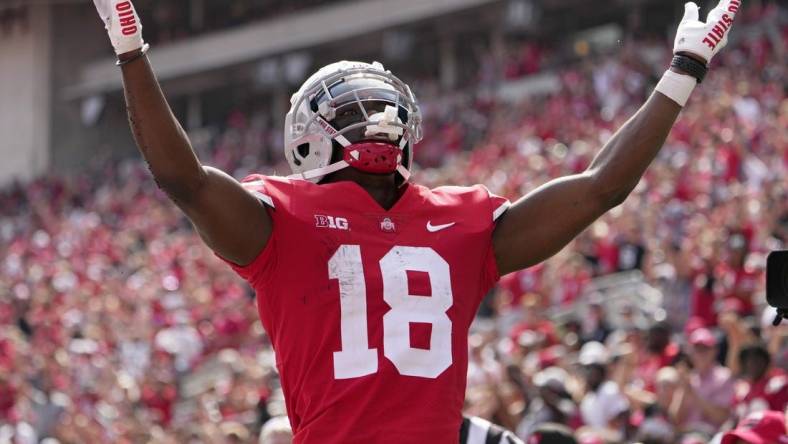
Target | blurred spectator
(276,431)
(552,434)
(660,352)
(181,340)
(603,405)
(533,326)
(759,428)
(654,422)
(762,387)
(706,389)
(775,337)
(595,324)
(666,388)
(631,248)
(553,403)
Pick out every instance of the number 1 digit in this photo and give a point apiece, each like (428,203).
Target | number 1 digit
(356,358)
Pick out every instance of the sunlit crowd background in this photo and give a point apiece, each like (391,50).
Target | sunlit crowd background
(118,325)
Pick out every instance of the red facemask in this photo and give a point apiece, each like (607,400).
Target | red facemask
(373,157)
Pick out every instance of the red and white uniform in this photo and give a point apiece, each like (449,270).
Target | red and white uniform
(368,310)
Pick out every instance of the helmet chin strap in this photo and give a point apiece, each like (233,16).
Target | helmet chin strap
(403,172)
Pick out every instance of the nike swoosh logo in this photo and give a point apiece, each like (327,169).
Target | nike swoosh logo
(433,228)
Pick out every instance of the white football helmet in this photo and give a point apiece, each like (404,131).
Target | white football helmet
(384,123)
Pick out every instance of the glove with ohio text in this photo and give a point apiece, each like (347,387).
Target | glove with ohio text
(705,39)
(122,24)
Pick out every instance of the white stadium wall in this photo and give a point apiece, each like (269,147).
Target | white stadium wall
(25,57)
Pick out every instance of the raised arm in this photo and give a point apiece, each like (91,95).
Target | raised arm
(541,223)
(545,220)
(228,218)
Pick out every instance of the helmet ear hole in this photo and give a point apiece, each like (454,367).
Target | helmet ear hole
(303,149)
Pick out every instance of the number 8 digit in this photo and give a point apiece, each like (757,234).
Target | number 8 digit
(407,308)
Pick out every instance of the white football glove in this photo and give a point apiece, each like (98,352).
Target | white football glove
(705,39)
(122,24)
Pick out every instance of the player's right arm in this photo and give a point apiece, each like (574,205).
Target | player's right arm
(544,221)
(229,219)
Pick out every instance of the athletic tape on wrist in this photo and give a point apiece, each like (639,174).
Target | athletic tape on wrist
(677,87)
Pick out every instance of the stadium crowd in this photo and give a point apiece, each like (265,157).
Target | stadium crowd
(118,325)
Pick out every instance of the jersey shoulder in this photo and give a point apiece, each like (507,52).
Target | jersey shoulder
(276,191)
(473,198)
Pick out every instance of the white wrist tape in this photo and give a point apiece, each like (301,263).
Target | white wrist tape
(677,87)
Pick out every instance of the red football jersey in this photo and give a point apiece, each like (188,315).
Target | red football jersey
(369,310)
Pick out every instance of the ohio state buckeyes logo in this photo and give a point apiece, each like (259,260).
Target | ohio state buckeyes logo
(387,225)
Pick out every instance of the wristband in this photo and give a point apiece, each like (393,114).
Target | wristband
(142,52)
(676,87)
(690,66)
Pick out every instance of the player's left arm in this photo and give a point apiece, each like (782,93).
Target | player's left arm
(541,223)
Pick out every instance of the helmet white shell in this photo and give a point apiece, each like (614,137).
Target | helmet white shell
(308,133)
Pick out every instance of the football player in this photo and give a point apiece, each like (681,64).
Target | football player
(366,282)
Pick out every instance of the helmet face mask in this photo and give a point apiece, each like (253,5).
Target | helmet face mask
(356,107)
(349,114)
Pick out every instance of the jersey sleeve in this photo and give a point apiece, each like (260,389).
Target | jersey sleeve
(497,207)
(273,193)
(498,204)
(256,185)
